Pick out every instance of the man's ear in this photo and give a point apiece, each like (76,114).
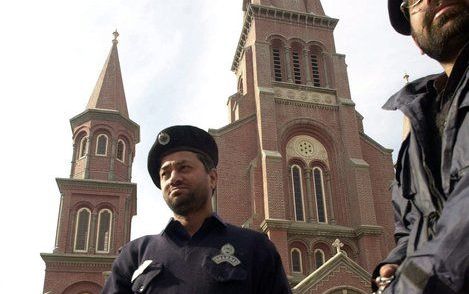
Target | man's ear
(416,44)
(213,174)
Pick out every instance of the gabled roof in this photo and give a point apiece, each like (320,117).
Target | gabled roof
(109,90)
(339,267)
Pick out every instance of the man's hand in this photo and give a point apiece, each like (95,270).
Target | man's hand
(386,274)
(388,270)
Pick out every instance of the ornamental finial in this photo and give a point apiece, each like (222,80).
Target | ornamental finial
(116,34)
(406,77)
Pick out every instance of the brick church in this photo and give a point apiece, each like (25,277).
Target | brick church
(295,162)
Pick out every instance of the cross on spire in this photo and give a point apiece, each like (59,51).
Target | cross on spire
(337,244)
(406,78)
(116,34)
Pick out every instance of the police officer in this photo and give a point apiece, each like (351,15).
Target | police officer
(197,252)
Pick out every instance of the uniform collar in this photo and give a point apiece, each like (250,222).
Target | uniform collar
(177,233)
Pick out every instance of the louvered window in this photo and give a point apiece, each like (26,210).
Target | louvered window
(277,64)
(315,70)
(296,67)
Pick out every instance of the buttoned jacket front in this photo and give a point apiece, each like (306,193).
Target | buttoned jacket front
(219,258)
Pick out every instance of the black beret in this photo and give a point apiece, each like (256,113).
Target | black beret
(397,18)
(180,138)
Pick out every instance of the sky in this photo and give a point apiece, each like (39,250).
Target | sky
(175,59)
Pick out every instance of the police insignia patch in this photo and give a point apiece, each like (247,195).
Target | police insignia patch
(227,255)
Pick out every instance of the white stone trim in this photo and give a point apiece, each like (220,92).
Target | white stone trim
(98,231)
(76,230)
(97,145)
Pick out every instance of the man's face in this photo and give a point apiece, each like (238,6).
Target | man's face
(186,185)
(440,27)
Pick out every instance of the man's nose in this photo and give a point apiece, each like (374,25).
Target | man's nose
(175,177)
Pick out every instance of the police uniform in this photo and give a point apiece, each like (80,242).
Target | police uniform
(218,258)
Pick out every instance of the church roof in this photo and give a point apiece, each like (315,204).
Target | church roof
(109,90)
(339,268)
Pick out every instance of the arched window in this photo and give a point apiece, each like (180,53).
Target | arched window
(316,66)
(297,193)
(315,70)
(121,150)
(296,262)
(318,258)
(296,63)
(319,195)
(277,60)
(104,231)
(82,230)
(83,147)
(101,145)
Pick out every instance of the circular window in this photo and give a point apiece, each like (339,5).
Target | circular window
(305,148)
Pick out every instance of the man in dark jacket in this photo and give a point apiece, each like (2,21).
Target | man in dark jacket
(197,252)
(431,192)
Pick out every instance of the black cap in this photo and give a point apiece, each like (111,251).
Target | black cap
(397,18)
(180,138)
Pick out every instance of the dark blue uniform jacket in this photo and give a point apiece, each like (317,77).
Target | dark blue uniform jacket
(218,258)
(432,223)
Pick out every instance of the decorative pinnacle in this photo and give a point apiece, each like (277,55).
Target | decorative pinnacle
(116,34)
(406,78)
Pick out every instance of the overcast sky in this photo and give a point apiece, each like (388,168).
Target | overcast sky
(175,59)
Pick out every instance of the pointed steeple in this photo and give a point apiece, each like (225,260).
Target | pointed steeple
(109,90)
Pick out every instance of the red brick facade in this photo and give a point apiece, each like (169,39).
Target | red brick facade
(294,160)
(98,200)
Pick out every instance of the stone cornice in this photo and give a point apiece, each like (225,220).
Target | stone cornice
(90,262)
(326,230)
(306,104)
(268,12)
(107,115)
(68,183)
(303,87)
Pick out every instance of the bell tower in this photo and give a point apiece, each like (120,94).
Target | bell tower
(98,200)
(295,162)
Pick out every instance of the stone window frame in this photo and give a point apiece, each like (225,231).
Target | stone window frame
(300,260)
(98,231)
(83,147)
(77,222)
(123,150)
(324,203)
(323,258)
(300,180)
(98,145)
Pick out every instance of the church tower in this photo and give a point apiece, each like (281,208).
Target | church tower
(295,162)
(98,200)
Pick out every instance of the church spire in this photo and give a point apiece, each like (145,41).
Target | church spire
(109,90)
